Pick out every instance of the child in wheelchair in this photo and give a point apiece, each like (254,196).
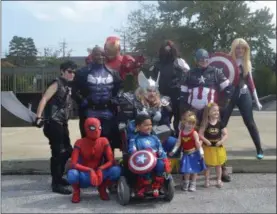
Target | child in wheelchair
(145,140)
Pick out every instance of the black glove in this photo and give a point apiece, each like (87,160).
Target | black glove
(39,122)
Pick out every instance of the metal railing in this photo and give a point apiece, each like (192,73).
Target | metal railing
(27,80)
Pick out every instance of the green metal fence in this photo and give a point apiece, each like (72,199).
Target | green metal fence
(27,80)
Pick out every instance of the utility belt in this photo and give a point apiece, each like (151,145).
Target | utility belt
(188,151)
(100,106)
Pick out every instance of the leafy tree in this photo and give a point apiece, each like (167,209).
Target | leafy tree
(141,27)
(220,22)
(22,51)
(194,24)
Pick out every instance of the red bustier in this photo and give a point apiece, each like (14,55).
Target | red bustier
(187,141)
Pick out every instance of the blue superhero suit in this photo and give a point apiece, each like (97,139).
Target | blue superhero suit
(143,142)
(95,86)
(83,178)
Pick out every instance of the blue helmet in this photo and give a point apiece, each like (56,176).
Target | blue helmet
(201,54)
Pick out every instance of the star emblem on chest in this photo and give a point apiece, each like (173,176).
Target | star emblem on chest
(201,79)
(147,142)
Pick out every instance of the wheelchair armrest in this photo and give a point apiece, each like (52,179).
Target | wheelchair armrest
(162,132)
(122,126)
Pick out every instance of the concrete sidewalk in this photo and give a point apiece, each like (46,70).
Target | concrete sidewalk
(26,150)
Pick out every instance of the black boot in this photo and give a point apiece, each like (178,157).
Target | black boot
(59,188)
(64,158)
(56,169)
(64,182)
(225,176)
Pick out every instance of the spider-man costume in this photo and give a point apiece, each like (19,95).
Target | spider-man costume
(124,64)
(87,167)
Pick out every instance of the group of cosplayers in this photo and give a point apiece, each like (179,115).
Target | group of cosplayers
(177,92)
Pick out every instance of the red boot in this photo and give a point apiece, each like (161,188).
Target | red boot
(76,193)
(102,189)
(141,186)
(156,186)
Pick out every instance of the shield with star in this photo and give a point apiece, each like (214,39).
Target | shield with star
(227,64)
(142,162)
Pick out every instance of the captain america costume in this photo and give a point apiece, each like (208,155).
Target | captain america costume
(95,86)
(142,141)
(202,86)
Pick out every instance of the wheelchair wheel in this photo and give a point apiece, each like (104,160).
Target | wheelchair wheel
(169,189)
(123,191)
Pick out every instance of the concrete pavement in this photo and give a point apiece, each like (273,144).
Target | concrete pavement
(26,150)
(247,193)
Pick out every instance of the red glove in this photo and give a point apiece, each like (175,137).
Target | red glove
(167,166)
(99,174)
(93,178)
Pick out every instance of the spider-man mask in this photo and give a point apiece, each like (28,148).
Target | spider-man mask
(92,128)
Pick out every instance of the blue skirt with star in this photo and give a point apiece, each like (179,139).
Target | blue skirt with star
(192,163)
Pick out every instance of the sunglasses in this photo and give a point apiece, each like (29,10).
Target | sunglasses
(70,71)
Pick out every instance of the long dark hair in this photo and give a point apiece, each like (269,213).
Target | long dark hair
(170,56)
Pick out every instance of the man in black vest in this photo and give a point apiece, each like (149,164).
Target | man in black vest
(56,103)
(171,68)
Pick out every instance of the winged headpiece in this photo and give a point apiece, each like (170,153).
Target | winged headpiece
(145,83)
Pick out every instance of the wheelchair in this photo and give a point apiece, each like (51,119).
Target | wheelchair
(126,186)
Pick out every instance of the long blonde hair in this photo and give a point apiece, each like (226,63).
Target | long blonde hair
(188,116)
(247,66)
(140,96)
(205,118)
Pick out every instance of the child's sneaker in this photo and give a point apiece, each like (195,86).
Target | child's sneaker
(207,184)
(185,186)
(219,184)
(192,187)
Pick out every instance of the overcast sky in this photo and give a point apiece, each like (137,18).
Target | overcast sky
(82,24)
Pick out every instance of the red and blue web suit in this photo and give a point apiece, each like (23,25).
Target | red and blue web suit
(124,64)
(87,162)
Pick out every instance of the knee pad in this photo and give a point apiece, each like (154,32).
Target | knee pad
(114,173)
(73,176)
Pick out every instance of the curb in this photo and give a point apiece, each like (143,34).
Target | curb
(234,165)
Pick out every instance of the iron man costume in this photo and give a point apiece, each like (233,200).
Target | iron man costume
(87,168)
(124,64)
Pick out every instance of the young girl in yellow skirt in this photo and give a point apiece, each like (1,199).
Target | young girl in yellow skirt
(213,134)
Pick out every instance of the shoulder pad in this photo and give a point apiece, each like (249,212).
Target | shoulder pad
(53,81)
(128,96)
(165,101)
(181,63)
(213,68)
(152,68)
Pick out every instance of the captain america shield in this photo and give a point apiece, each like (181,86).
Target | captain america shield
(227,64)
(142,162)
